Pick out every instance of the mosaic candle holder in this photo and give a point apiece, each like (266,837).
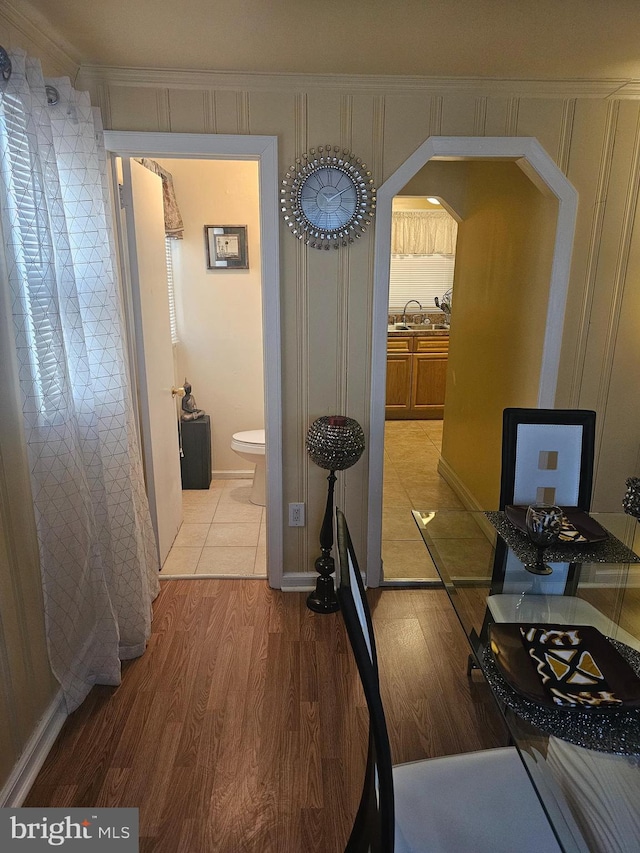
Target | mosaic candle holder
(334,442)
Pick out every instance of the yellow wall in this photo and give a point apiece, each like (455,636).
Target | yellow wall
(445,179)
(501,287)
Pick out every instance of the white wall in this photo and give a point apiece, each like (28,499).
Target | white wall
(219,312)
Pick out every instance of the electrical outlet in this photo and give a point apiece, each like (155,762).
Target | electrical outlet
(296,515)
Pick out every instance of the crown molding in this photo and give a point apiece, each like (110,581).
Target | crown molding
(38,31)
(378,84)
(629,90)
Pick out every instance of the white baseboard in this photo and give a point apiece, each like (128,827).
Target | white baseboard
(232,475)
(38,746)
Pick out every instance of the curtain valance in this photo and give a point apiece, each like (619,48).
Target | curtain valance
(423,232)
(173,226)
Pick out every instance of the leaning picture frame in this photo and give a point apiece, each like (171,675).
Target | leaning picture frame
(226,247)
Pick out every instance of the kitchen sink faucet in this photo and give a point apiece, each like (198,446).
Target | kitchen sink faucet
(404,312)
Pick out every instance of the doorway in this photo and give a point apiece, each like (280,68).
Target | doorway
(218,348)
(263,150)
(541,171)
(421,277)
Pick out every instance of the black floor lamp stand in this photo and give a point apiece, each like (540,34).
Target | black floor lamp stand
(323,599)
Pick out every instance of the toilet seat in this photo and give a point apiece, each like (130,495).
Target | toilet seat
(250,446)
(249,441)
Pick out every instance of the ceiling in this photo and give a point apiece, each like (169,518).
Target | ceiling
(540,39)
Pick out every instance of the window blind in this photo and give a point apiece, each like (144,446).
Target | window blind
(168,246)
(33,255)
(421,277)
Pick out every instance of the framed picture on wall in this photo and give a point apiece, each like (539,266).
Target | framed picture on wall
(226,247)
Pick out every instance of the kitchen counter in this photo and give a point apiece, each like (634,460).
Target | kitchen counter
(417,332)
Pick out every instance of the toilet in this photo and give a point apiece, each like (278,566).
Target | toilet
(250,445)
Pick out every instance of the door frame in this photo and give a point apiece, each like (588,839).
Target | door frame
(264,150)
(534,161)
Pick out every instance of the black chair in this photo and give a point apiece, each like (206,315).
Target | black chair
(547,455)
(480,802)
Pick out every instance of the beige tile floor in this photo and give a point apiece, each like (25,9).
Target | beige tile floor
(222,534)
(411,481)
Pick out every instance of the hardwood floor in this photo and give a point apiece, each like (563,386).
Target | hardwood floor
(243,727)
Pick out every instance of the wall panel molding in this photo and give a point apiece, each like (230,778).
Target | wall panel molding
(597,226)
(301,119)
(566,134)
(511,119)
(244,123)
(303,385)
(342,334)
(342,320)
(303,541)
(209,110)
(164,110)
(435,116)
(480,117)
(346,121)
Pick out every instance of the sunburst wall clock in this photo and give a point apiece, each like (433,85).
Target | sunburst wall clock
(327,198)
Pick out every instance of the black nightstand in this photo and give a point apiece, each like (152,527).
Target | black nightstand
(195,465)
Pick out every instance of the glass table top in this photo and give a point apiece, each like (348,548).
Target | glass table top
(575,760)
(462,545)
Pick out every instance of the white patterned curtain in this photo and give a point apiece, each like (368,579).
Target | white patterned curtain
(97,550)
(423,232)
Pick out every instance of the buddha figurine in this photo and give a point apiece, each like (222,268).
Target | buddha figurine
(190,411)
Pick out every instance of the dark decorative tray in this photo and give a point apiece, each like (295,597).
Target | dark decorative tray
(609,550)
(617,734)
(587,528)
(564,667)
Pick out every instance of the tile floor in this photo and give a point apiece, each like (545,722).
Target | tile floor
(222,534)
(411,481)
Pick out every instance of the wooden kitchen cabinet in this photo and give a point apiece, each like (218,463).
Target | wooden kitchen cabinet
(416,377)
(428,384)
(399,373)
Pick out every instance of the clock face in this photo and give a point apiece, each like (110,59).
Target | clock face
(328,198)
